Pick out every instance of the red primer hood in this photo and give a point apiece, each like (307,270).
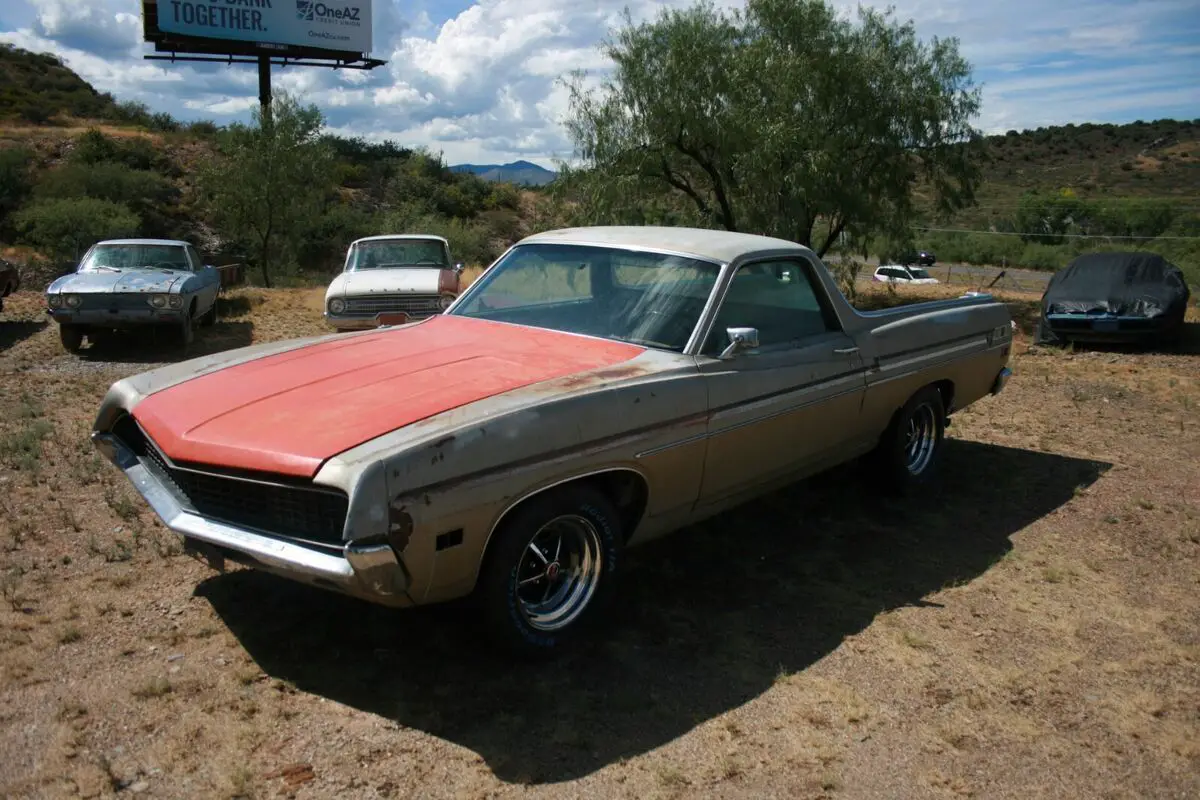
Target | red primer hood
(289,412)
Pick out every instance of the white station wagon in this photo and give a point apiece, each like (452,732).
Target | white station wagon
(392,279)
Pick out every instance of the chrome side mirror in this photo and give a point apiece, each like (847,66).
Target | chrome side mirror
(458,267)
(740,340)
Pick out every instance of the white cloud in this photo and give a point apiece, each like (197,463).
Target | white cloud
(480,85)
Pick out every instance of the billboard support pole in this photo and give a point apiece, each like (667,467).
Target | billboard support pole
(264,87)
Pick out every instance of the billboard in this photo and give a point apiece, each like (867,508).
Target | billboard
(342,25)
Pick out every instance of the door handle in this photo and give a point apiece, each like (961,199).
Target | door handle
(845,351)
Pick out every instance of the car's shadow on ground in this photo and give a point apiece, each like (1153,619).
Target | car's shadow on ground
(17,331)
(163,345)
(709,616)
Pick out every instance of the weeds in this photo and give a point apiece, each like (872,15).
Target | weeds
(121,505)
(22,449)
(10,588)
(69,634)
(157,686)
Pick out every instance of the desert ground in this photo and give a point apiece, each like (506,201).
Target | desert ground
(1028,627)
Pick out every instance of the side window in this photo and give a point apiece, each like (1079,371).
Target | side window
(776,297)
(194,257)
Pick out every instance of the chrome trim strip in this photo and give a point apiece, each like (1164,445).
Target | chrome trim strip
(653,451)
(946,352)
(858,388)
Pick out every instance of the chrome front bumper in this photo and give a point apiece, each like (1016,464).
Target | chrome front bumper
(1001,380)
(370,572)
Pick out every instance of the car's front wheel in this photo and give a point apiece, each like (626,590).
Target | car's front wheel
(71,337)
(187,328)
(209,318)
(550,570)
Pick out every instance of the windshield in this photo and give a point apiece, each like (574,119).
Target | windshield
(385,254)
(135,256)
(631,296)
(919,274)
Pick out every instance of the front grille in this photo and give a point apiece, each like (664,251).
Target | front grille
(107,300)
(409,303)
(301,513)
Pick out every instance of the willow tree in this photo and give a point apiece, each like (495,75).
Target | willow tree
(271,179)
(784,119)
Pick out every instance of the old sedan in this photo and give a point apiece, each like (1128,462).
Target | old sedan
(392,279)
(596,388)
(132,283)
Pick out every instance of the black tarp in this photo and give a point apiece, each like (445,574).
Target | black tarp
(1132,284)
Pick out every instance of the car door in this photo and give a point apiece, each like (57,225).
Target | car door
(209,281)
(793,402)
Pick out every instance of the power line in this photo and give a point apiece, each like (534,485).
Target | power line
(1060,235)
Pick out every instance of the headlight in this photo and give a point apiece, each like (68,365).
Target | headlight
(445,301)
(175,300)
(337,305)
(54,300)
(157,301)
(73,301)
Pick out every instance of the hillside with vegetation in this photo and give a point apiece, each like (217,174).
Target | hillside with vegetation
(84,167)
(77,165)
(1050,193)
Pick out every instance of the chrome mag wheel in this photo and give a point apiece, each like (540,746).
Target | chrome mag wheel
(921,438)
(559,571)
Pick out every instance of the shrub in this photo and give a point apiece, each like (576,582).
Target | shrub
(66,227)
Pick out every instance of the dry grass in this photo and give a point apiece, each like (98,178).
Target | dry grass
(1028,627)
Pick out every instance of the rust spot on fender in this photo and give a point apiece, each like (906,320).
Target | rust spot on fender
(400,526)
(581,380)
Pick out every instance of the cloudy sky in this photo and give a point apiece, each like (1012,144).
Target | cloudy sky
(476,81)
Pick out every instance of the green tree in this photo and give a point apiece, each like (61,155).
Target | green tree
(1044,218)
(65,227)
(783,119)
(271,180)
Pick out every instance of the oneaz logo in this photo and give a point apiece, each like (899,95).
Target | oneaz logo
(309,11)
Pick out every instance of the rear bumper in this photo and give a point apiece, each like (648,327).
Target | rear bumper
(369,572)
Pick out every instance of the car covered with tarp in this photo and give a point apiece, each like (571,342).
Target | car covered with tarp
(1114,297)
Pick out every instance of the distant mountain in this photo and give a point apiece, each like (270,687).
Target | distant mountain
(518,172)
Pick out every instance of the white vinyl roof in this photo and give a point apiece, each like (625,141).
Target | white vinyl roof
(713,245)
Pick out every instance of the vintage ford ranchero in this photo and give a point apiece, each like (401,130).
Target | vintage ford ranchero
(594,389)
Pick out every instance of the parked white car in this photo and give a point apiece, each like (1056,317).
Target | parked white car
(392,279)
(895,273)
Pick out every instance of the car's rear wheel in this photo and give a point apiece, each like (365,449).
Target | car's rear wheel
(71,337)
(550,570)
(908,450)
